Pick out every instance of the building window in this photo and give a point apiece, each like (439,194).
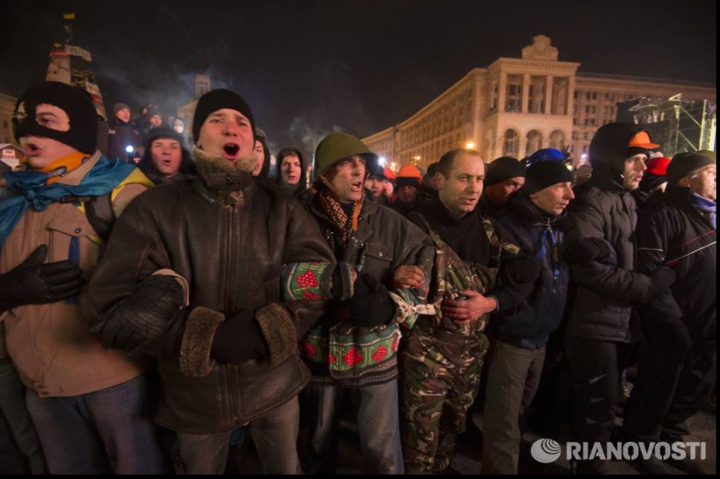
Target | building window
(591,95)
(533,142)
(559,96)
(536,102)
(514,94)
(510,144)
(557,140)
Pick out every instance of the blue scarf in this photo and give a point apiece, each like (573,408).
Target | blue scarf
(706,207)
(26,189)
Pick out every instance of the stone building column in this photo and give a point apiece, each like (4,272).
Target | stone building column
(502,92)
(525,94)
(548,94)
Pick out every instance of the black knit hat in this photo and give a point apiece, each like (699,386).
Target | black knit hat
(78,105)
(162,132)
(217,100)
(683,164)
(503,169)
(546,173)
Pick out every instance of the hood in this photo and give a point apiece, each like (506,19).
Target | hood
(609,150)
(303,179)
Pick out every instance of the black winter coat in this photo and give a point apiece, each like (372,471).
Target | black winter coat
(674,234)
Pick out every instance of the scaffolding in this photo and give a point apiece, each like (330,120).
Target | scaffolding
(678,125)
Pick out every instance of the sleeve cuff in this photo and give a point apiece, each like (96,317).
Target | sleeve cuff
(278,329)
(197,341)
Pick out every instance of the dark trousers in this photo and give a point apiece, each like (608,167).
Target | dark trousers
(595,367)
(675,379)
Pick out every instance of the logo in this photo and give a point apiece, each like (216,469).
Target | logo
(545,451)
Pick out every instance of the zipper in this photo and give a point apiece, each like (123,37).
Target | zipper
(230,306)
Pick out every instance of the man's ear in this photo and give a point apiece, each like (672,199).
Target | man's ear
(440,180)
(684,181)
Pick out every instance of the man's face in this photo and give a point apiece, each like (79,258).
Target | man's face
(259,152)
(166,156)
(41,151)
(388,188)
(123,115)
(227,133)
(156,121)
(499,193)
(704,182)
(633,173)
(178,126)
(291,170)
(461,191)
(553,199)
(407,194)
(347,176)
(375,185)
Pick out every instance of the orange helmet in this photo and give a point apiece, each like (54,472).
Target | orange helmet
(410,176)
(389,174)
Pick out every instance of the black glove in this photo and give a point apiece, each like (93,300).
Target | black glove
(584,251)
(137,322)
(521,270)
(239,339)
(371,305)
(660,282)
(33,282)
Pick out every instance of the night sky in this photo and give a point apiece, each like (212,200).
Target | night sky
(308,67)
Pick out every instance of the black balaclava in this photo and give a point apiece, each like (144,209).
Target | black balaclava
(78,105)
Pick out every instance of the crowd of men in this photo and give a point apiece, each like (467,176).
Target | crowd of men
(151,316)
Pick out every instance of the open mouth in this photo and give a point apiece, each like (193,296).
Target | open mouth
(231,150)
(357,186)
(31,149)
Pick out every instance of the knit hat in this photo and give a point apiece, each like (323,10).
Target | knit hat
(215,100)
(338,146)
(655,174)
(683,164)
(119,106)
(162,132)
(379,172)
(546,173)
(503,169)
(409,176)
(75,102)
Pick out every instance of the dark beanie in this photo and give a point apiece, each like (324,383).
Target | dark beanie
(215,100)
(546,173)
(119,106)
(162,132)
(78,105)
(503,169)
(683,164)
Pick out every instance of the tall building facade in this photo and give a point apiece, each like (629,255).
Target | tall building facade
(7,105)
(517,106)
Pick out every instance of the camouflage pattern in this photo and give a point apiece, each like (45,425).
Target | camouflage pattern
(439,381)
(441,362)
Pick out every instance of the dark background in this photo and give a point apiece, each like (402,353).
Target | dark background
(308,67)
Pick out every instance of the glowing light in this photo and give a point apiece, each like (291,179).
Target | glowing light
(129,149)
(584,156)
(470,145)
(382,161)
